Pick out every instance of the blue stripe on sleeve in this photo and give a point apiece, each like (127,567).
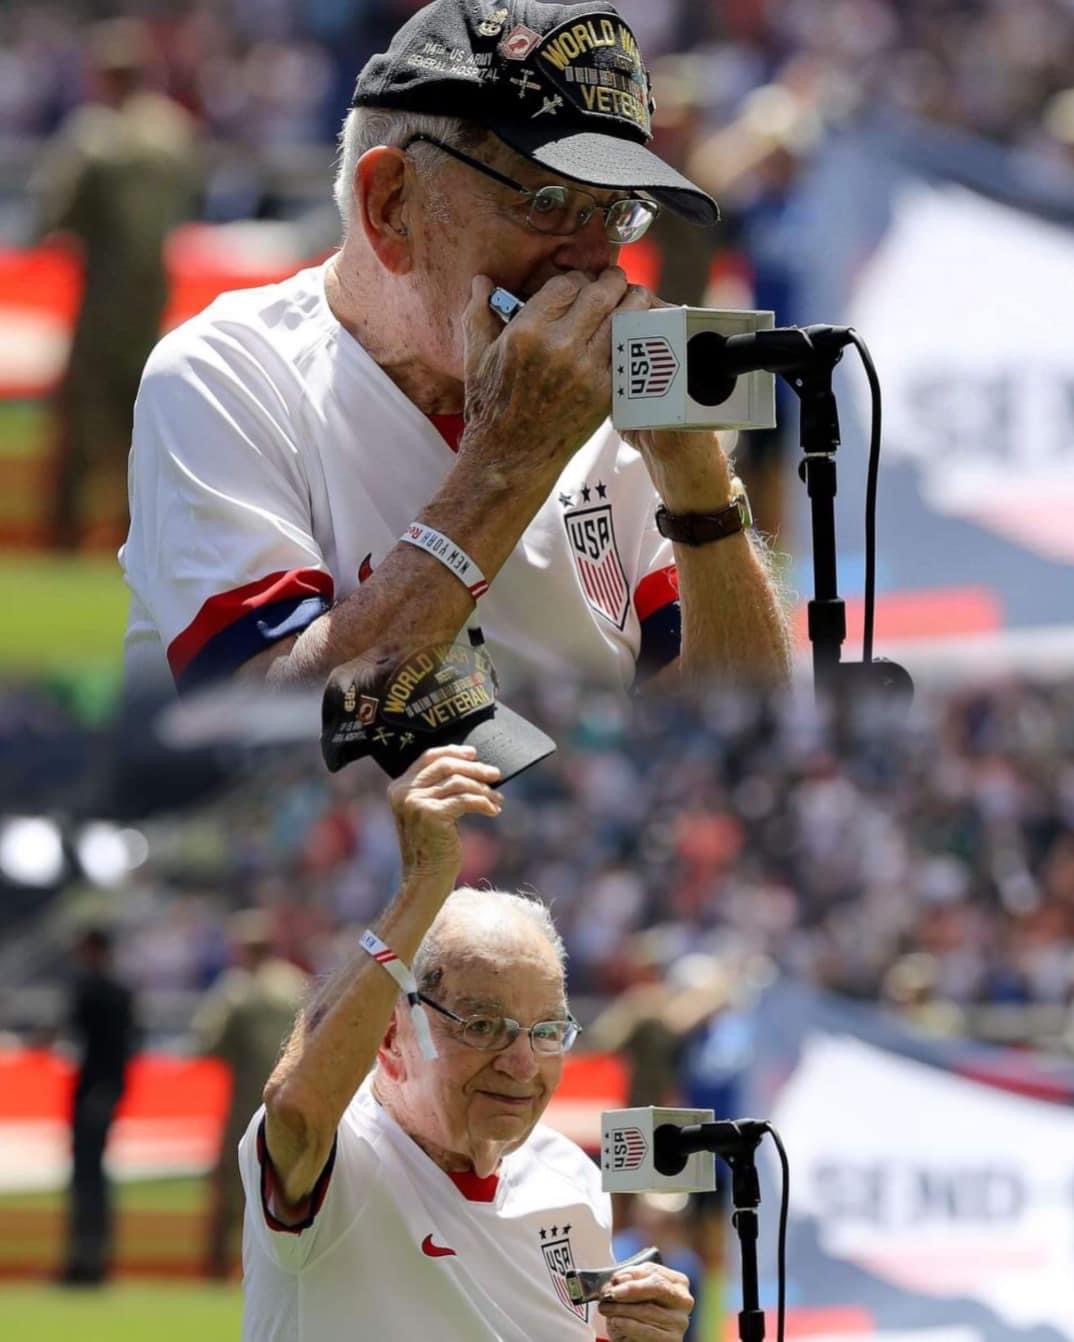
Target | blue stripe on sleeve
(226,651)
(661,639)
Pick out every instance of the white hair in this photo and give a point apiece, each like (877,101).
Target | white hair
(365,128)
(488,908)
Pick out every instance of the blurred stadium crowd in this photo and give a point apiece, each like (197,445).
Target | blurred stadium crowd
(927,862)
(280,72)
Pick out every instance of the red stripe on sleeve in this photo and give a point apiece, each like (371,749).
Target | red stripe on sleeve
(223,610)
(655,591)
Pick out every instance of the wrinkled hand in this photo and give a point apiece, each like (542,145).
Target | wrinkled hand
(683,461)
(647,1303)
(442,785)
(540,387)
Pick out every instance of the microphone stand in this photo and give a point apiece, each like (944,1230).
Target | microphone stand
(746,1198)
(805,358)
(736,1142)
(819,436)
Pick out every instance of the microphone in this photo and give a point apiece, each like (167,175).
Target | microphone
(715,362)
(670,1150)
(635,1159)
(673,1146)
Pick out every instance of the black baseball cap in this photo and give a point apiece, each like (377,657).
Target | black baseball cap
(564,85)
(393,708)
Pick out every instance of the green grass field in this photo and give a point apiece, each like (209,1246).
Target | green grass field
(64,615)
(55,606)
(160,1227)
(143,1312)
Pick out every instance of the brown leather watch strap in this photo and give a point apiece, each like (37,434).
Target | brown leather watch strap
(703,528)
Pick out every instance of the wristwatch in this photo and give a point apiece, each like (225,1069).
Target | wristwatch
(701,528)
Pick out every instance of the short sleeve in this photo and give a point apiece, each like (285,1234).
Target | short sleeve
(656,603)
(220,552)
(337,1200)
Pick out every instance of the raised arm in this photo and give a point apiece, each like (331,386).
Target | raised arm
(336,1038)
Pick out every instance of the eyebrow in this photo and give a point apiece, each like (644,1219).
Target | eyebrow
(495,1007)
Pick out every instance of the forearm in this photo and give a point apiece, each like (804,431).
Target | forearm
(336,1038)
(734,628)
(411,597)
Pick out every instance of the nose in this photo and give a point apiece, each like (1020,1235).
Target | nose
(589,250)
(518,1060)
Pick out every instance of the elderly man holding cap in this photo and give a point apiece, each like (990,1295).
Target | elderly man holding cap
(368,447)
(399,1183)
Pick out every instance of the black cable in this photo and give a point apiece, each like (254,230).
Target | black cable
(784,1208)
(870,496)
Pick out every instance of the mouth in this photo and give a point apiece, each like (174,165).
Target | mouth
(512,1101)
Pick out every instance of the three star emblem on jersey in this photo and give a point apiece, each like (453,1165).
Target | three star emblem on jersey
(558,1258)
(591,532)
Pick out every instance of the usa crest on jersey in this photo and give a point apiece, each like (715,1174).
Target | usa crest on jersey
(591,532)
(558,1257)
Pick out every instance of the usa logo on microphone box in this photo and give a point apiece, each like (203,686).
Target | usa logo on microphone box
(628,1153)
(660,380)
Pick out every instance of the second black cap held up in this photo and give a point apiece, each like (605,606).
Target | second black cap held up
(393,708)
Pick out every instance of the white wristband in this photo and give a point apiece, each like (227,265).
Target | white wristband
(452,556)
(387,959)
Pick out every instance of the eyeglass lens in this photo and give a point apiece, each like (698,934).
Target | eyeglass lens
(497,1032)
(556,209)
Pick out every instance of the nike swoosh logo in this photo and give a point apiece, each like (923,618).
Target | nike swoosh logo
(436,1250)
(365,569)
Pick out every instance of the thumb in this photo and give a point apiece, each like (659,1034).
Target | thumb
(481,326)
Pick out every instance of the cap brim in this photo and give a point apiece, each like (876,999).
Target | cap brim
(610,161)
(508,741)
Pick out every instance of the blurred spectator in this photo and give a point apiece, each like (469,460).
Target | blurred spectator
(120,174)
(102,1020)
(244,1021)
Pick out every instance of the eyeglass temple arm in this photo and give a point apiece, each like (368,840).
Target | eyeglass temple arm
(471,162)
(443,1010)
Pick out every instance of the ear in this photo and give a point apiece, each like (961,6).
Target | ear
(390,1055)
(381,187)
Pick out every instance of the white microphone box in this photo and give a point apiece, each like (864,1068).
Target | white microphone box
(660,380)
(626,1152)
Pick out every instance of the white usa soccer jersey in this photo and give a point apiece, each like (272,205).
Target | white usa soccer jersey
(274,464)
(395,1250)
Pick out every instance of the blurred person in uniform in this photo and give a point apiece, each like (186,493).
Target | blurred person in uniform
(661,1219)
(120,175)
(658,1011)
(244,1021)
(756,163)
(101,1017)
(685,256)
(669,1003)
